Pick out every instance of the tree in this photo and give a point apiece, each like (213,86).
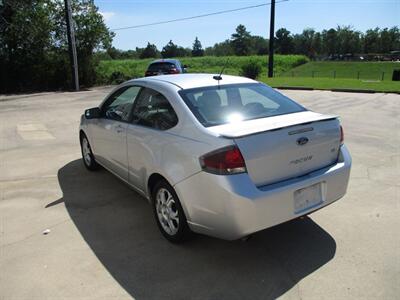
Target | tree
(170,50)
(258,45)
(303,43)
(114,53)
(22,47)
(220,49)
(241,41)
(129,54)
(372,41)
(317,43)
(394,35)
(348,40)
(386,41)
(197,48)
(150,51)
(330,42)
(34,47)
(184,51)
(390,39)
(91,34)
(283,41)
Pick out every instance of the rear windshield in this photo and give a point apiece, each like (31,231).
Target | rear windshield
(161,66)
(234,103)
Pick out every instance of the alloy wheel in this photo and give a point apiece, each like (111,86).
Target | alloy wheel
(167,211)
(87,155)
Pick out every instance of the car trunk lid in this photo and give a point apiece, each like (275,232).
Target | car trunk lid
(287,146)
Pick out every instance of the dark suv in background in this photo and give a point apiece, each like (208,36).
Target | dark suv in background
(165,66)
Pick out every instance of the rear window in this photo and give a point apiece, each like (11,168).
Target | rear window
(161,66)
(224,104)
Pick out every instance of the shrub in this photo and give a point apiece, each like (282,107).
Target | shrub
(135,68)
(118,77)
(300,61)
(396,75)
(251,69)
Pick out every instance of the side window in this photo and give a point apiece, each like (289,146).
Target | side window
(153,110)
(119,106)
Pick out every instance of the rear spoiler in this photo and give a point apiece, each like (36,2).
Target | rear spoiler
(251,127)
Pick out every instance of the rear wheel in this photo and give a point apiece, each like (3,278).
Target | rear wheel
(169,214)
(87,154)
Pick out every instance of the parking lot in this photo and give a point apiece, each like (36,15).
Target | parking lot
(104,244)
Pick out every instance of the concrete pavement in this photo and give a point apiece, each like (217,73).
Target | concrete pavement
(104,244)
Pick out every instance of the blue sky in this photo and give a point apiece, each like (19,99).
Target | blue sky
(295,15)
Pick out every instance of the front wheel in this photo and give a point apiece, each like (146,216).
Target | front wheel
(87,155)
(169,214)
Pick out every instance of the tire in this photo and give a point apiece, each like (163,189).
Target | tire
(168,212)
(87,155)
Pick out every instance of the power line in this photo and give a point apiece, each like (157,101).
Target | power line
(195,17)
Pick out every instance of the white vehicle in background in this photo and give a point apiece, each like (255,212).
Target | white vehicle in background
(223,156)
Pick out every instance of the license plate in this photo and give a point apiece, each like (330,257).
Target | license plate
(307,198)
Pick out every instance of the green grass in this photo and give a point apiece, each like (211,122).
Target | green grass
(351,70)
(370,73)
(330,83)
(126,69)
(340,75)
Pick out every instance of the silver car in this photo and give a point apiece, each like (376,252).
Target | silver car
(223,156)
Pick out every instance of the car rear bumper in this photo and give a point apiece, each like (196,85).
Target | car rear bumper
(231,207)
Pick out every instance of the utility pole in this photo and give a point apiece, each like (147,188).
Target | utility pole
(271,41)
(71,44)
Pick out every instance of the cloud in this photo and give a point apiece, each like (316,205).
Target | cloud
(107,15)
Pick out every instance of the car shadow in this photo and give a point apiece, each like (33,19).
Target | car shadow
(119,227)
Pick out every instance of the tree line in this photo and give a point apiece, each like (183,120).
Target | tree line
(34,48)
(332,43)
(342,40)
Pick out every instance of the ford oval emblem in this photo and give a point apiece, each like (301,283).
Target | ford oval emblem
(302,141)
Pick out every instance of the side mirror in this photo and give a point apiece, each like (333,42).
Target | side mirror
(185,66)
(92,113)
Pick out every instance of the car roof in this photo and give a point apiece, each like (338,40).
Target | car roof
(167,60)
(195,80)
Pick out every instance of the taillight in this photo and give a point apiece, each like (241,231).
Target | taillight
(224,161)
(341,135)
(173,71)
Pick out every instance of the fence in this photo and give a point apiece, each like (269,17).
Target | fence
(360,75)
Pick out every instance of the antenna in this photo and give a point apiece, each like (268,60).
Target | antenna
(218,77)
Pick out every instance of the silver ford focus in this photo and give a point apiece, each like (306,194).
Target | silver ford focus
(223,155)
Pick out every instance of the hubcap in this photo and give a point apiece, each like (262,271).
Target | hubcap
(86,151)
(167,212)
